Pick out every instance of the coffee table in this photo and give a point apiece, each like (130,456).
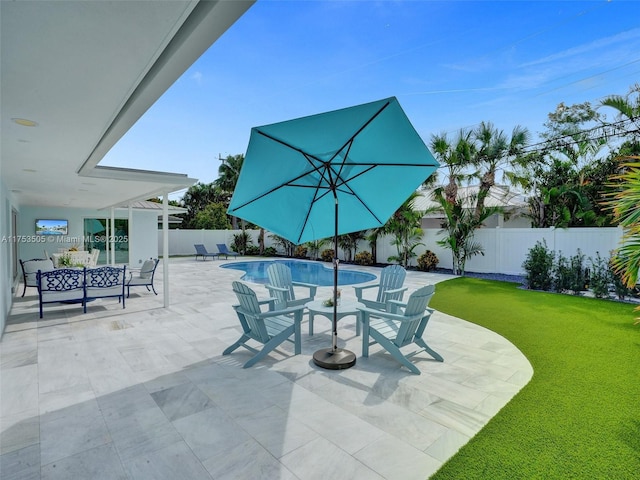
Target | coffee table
(345,307)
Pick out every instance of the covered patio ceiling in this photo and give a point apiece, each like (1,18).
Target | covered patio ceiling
(76,75)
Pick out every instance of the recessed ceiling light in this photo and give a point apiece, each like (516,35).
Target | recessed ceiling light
(24,122)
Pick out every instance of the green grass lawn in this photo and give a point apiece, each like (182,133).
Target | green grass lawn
(579,417)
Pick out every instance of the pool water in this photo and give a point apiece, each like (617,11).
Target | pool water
(307,272)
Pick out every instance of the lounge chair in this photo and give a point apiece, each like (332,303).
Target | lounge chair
(269,328)
(281,287)
(389,288)
(30,271)
(201,251)
(224,250)
(394,331)
(144,276)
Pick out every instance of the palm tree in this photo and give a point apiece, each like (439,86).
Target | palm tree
(404,225)
(456,156)
(628,106)
(495,151)
(228,174)
(459,225)
(625,204)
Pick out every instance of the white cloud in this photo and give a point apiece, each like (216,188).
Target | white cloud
(197,77)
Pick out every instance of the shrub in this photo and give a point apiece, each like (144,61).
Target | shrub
(270,252)
(300,252)
(619,287)
(600,277)
(252,250)
(364,258)
(241,241)
(539,267)
(327,255)
(577,273)
(561,274)
(427,261)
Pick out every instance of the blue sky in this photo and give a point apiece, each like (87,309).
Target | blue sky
(451,64)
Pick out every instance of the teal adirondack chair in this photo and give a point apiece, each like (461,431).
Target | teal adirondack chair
(281,287)
(269,328)
(403,327)
(389,288)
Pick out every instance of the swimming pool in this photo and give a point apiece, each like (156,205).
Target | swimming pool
(301,271)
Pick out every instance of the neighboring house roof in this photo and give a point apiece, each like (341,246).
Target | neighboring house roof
(172,220)
(498,197)
(147,205)
(76,76)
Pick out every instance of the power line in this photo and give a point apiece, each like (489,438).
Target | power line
(607,130)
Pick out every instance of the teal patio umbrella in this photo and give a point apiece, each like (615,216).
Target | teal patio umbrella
(329,174)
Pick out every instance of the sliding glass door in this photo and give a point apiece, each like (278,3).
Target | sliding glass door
(97,234)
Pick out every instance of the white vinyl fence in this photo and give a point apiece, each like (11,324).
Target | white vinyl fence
(505,249)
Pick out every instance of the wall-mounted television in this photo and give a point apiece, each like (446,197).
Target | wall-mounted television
(52,227)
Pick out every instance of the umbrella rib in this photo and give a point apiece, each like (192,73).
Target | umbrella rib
(288,145)
(344,182)
(365,125)
(268,192)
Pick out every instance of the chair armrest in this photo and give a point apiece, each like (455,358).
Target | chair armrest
(395,290)
(362,287)
(312,287)
(396,303)
(271,301)
(284,311)
(277,289)
(301,284)
(390,316)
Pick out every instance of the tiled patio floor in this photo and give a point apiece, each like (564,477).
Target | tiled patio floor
(145,393)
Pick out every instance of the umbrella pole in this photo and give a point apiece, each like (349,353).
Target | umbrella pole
(335,358)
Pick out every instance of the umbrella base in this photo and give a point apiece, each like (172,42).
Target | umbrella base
(337,359)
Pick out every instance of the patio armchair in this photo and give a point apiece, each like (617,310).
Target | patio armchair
(93,257)
(405,326)
(281,287)
(143,276)
(30,271)
(201,251)
(389,288)
(61,285)
(224,250)
(269,328)
(104,282)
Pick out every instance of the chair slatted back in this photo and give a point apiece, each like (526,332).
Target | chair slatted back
(391,278)
(280,276)
(200,249)
(249,310)
(416,309)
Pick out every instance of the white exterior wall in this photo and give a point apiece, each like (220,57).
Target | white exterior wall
(6,258)
(141,244)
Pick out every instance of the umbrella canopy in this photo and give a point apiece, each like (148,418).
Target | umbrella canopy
(369,156)
(330,174)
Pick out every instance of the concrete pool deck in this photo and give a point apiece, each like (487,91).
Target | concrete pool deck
(145,393)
